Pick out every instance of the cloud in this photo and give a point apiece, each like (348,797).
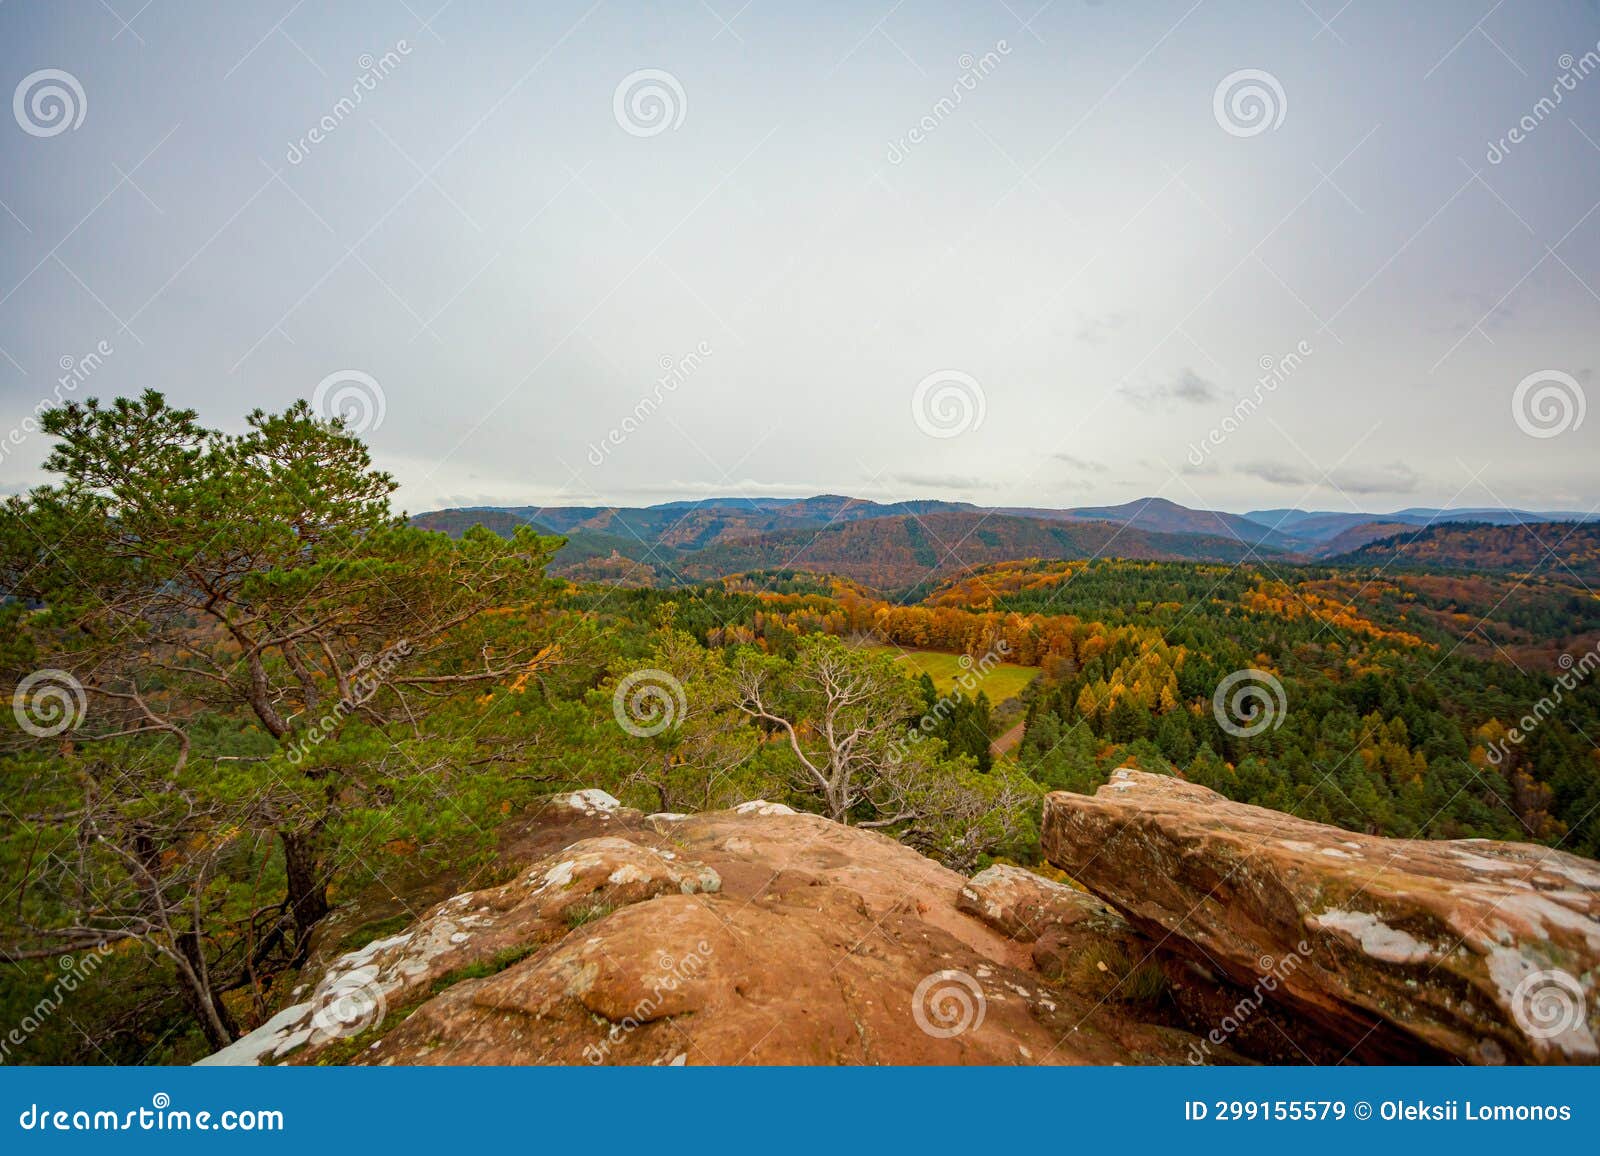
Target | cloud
(1188,386)
(1278,473)
(1394,478)
(1096,330)
(945,482)
(745,488)
(1083,464)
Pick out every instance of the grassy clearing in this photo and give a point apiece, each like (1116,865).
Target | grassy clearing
(1003,682)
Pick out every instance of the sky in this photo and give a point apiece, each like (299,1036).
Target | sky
(1323,254)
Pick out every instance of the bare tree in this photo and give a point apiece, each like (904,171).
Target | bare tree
(842,711)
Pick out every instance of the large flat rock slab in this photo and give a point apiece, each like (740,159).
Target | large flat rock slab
(1475,950)
(756,935)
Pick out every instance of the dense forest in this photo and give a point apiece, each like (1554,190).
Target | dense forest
(1563,550)
(249,697)
(891,547)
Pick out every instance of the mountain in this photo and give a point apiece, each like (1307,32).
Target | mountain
(691,525)
(1359,535)
(1312,527)
(1167,517)
(895,544)
(1559,549)
(900,552)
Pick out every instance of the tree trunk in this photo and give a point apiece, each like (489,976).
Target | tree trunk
(259,696)
(307,888)
(203,1003)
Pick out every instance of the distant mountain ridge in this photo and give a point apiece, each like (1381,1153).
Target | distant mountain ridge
(1168,517)
(1315,526)
(900,544)
(899,552)
(1561,550)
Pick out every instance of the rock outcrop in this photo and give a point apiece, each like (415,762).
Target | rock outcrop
(1060,923)
(1215,933)
(1408,949)
(756,935)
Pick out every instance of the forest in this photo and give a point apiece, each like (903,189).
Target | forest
(249,695)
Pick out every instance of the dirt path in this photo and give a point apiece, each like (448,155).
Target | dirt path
(1008,741)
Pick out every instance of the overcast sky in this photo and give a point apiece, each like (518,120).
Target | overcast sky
(1005,252)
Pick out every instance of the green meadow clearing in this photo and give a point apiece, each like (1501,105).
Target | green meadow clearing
(1003,682)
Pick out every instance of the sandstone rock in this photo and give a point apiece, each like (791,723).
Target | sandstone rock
(589,879)
(1473,950)
(591,802)
(1066,927)
(756,935)
(1019,903)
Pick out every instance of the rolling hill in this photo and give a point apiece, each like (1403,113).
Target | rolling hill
(904,551)
(1166,517)
(1314,529)
(1560,549)
(898,544)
